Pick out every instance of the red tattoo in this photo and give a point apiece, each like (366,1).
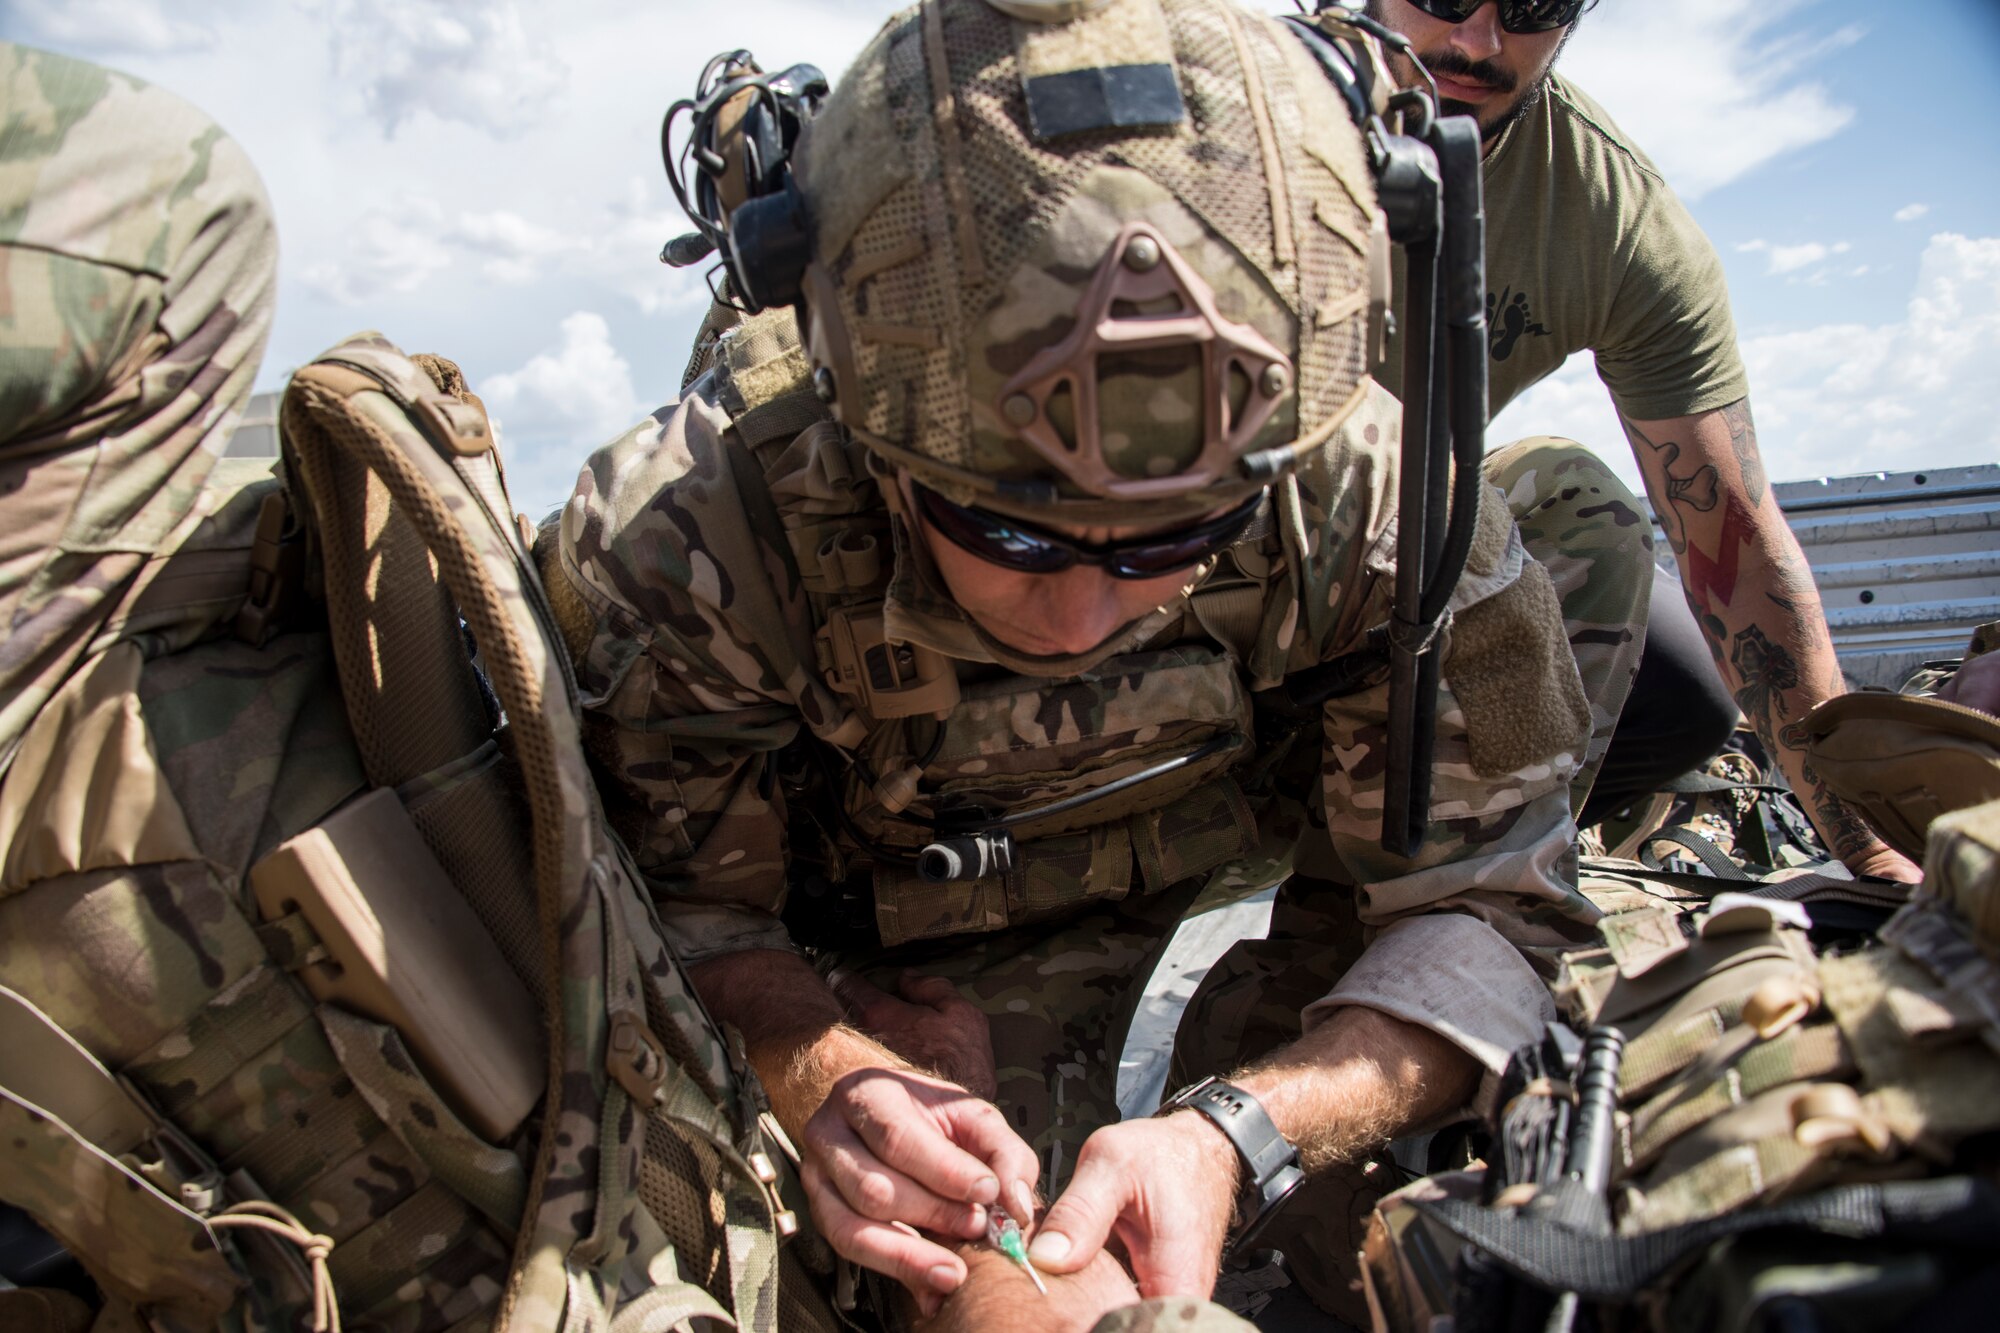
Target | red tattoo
(1717,575)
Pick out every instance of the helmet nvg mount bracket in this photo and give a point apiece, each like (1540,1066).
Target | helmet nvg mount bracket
(1143,272)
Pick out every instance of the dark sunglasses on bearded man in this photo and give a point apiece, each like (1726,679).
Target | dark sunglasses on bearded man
(1517,16)
(1027,549)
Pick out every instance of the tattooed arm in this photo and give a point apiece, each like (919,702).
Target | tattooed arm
(1753,596)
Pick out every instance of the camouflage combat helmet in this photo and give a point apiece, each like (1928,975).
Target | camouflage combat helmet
(1100,258)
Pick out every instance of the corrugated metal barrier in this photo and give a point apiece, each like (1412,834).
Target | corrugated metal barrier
(257,433)
(1908,563)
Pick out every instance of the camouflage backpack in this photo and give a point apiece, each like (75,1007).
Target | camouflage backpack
(323,987)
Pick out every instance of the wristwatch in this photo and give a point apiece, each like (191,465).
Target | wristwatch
(1270,1163)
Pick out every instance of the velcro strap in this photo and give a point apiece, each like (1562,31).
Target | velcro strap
(369,1268)
(233,1028)
(1725,1182)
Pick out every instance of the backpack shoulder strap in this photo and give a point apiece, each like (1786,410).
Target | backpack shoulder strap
(408,508)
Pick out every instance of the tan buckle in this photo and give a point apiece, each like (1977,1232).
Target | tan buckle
(1781,1003)
(636,1059)
(460,427)
(1830,1119)
(276,564)
(887,679)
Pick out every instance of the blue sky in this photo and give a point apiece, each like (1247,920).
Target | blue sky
(483,180)
(1925,106)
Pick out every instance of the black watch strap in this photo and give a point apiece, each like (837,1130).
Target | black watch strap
(1270,1163)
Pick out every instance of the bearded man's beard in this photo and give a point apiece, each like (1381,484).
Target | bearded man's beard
(1455,66)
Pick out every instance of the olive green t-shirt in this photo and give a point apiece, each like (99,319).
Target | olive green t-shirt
(1587,248)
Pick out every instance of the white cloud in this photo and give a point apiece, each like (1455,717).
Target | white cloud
(1919,393)
(554,410)
(1791,258)
(1911,212)
(1571,403)
(113,27)
(1839,399)
(1708,86)
(476,65)
(388,251)
(515,249)
(625,247)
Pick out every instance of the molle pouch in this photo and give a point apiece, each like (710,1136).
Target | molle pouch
(1962,871)
(402,946)
(1053,876)
(885,680)
(1014,745)
(1018,744)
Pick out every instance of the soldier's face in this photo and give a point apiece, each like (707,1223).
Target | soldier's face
(1047,615)
(1481,69)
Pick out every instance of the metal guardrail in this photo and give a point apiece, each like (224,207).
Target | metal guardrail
(257,433)
(1907,563)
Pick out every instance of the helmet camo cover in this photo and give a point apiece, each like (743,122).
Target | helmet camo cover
(1087,258)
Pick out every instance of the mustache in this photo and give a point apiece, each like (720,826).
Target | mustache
(1482,72)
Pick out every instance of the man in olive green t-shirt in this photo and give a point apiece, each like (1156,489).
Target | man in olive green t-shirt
(1587,248)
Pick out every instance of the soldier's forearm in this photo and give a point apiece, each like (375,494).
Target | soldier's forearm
(1751,592)
(1357,1081)
(794,1028)
(1775,654)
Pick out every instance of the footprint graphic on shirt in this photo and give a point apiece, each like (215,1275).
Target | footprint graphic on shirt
(1509,322)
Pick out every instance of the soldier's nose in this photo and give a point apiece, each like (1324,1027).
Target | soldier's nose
(1080,609)
(1478,37)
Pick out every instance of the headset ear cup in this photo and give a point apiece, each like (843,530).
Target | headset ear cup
(736,157)
(770,244)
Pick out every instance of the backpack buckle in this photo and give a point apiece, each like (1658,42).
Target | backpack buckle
(884,679)
(277,562)
(636,1059)
(458,426)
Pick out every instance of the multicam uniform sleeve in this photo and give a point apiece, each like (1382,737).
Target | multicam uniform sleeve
(1454,931)
(686,629)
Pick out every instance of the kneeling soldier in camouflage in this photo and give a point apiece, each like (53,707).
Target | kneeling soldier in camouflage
(919,644)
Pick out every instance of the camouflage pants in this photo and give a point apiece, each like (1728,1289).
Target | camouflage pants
(1059,1000)
(1587,528)
(1591,533)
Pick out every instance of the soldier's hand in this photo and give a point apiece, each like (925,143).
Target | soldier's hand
(931,1026)
(891,1147)
(1885,862)
(1165,1188)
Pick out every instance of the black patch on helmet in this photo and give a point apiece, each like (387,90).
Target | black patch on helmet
(1114,97)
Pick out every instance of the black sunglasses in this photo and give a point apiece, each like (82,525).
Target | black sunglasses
(1012,544)
(1516,16)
